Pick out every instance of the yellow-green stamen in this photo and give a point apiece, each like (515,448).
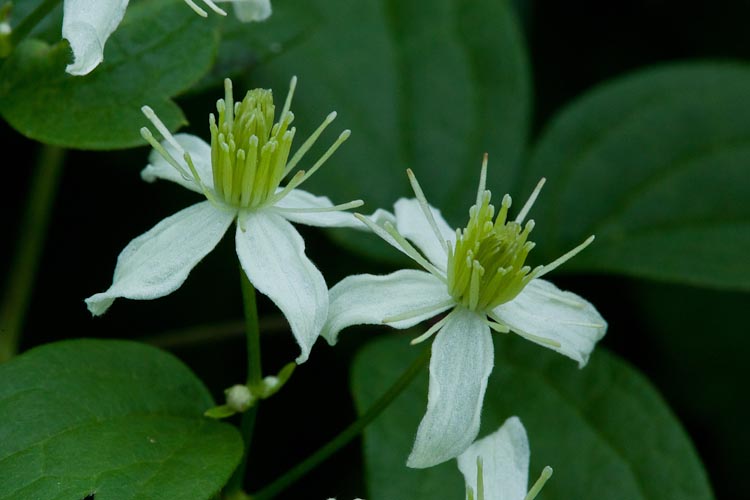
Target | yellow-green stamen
(534,491)
(486,264)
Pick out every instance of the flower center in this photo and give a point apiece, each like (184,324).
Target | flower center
(249,151)
(486,265)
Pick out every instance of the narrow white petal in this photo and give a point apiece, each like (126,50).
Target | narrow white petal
(462,359)
(87,25)
(200,152)
(298,198)
(505,462)
(412,223)
(252,10)
(272,253)
(369,300)
(543,311)
(156,263)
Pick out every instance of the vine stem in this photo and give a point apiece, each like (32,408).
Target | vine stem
(343,438)
(30,21)
(28,251)
(254,377)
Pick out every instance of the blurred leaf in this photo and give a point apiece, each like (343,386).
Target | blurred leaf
(429,85)
(119,419)
(697,347)
(657,165)
(245,45)
(604,429)
(159,50)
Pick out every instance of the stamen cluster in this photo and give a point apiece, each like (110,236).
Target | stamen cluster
(248,151)
(486,265)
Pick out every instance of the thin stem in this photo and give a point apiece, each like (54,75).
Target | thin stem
(22,271)
(254,377)
(30,21)
(302,468)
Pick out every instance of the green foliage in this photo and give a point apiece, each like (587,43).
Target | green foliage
(160,49)
(430,89)
(119,419)
(603,429)
(655,165)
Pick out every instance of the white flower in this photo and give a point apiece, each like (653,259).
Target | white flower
(87,24)
(245,10)
(496,467)
(478,275)
(239,173)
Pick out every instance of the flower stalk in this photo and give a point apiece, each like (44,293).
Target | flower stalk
(345,436)
(20,284)
(254,378)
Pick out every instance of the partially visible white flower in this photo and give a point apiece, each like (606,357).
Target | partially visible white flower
(496,467)
(87,25)
(245,10)
(240,174)
(477,274)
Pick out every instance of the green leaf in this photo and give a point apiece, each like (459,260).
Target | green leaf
(604,429)
(119,419)
(427,85)
(159,50)
(656,165)
(243,46)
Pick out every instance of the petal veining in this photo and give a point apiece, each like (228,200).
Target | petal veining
(461,361)
(272,253)
(370,300)
(562,321)
(158,262)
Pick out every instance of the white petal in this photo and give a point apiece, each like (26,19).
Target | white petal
(462,359)
(412,223)
(87,25)
(272,253)
(200,152)
(368,300)
(505,462)
(298,198)
(158,262)
(252,10)
(544,311)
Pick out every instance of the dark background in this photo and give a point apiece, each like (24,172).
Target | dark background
(692,343)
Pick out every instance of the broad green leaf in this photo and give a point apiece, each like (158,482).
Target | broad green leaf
(118,419)
(159,50)
(427,85)
(604,429)
(657,166)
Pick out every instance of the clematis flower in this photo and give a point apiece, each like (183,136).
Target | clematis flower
(496,467)
(239,173)
(477,274)
(88,24)
(245,10)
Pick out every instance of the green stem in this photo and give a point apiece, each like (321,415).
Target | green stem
(22,271)
(30,21)
(254,377)
(354,429)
